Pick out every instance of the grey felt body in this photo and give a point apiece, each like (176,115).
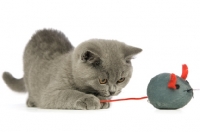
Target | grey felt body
(59,76)
(162,97)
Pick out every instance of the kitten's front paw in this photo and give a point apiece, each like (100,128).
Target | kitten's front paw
(88,102)
(105,105)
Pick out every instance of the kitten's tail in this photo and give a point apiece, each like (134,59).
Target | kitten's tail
(13,83)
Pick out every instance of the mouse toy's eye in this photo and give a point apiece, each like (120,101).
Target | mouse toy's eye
(121,80)
(103,81)
(177,86)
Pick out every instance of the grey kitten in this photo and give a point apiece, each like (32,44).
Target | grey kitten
(59,76)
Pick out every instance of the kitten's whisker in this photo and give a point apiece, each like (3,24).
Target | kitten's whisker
(196,89)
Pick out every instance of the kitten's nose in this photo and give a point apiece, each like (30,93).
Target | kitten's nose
(112,93)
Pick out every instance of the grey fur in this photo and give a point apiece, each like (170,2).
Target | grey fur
(57,76)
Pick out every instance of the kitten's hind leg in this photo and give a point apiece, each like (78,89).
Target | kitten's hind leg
(69,99)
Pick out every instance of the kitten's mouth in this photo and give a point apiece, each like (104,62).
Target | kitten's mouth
(97,93)
(103,95)
(106,96)
(111,94)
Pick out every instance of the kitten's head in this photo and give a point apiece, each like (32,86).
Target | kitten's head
(103,67)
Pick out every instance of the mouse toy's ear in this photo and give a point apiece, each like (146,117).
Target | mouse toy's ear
(184,71)
(172,81)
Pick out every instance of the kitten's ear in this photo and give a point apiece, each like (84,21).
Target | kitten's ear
(130,52)
(90,57)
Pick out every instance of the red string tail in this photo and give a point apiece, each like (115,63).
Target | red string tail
(114,100)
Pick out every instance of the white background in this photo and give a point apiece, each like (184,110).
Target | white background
(167,31)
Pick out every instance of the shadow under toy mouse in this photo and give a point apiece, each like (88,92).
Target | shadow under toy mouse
(167,91)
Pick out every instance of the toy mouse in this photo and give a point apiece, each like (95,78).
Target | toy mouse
(167,91)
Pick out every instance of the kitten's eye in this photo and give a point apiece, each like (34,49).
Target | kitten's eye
(103,81)
(121,80)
